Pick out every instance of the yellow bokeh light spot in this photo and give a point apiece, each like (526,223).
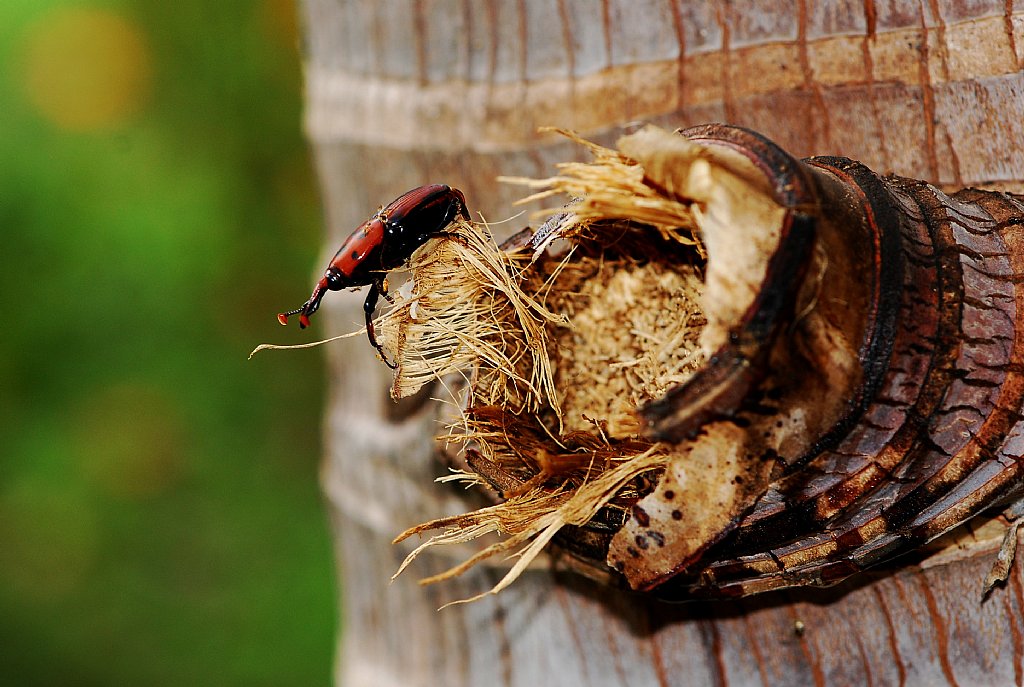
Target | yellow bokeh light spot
(281,21)
(86,68)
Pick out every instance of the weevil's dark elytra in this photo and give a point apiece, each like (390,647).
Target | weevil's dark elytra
(383,243)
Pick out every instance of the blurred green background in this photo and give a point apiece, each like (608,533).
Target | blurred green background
(160,519)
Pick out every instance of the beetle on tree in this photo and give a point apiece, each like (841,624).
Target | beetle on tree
(383,243)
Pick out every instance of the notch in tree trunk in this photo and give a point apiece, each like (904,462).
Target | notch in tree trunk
(721,370)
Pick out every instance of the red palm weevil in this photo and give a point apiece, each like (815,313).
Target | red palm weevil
(382,243)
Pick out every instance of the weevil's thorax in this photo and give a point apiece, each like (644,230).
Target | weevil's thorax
(358,261)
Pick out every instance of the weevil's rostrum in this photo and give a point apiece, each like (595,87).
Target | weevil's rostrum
(860,390)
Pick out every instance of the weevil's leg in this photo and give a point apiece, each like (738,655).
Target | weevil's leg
(369,305)
(1007,551)
(459,206)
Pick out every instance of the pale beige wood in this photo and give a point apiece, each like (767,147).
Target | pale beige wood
(404,93)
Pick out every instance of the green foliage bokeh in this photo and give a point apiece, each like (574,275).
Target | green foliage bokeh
(160,521)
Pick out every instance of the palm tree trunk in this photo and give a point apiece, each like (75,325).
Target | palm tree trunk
(452,91)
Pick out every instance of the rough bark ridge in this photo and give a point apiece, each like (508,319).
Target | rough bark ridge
(920,89)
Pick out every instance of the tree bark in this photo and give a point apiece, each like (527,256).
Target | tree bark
(401,94)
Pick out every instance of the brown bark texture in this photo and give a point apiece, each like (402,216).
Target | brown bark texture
(452,91)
